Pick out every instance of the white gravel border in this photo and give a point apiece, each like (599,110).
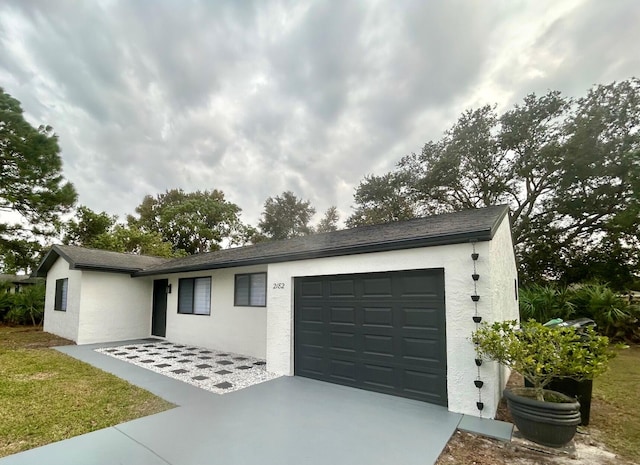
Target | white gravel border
(186,357)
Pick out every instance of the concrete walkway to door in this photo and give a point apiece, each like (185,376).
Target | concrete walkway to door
(289,420)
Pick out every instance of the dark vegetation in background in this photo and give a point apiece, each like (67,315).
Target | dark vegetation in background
(617,315)
(25,307)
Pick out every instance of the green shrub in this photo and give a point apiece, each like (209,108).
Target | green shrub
(6,299)
(541,353)
(613,314)
(543,303)
(27,306)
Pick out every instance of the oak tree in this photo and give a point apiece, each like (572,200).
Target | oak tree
(102,231)
(194,222)
(286,216)
(568,168)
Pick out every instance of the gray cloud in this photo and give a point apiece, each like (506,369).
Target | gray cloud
(255,98)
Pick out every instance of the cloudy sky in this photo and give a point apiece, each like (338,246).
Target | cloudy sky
(255,98)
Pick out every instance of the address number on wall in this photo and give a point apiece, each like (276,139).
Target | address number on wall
(278,285)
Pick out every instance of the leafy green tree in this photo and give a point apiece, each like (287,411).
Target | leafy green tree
(130,239)
(286,216)
(101,231)
(381,199)
(86,226)
(569,170)
(32,187)
(329,221)
(21,255)
(613,263)
(193,222)
(249,235)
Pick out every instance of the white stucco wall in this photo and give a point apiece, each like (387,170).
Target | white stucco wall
(241,330)
(117,307)
(458,265)
(114,307)
(63,324)
(496,266)
(503,291)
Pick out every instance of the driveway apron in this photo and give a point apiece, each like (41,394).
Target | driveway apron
(288,420)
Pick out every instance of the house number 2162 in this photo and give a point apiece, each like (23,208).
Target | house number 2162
(278,285)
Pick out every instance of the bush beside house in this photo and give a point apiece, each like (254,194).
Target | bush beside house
(25,307)
(541,355)
(617,316)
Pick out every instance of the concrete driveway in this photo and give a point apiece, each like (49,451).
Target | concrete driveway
(289,420)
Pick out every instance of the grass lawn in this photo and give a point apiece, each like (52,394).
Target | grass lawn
(46,396)
(615,418)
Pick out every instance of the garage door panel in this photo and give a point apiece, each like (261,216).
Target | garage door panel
(383,332)
(313,364)
(312,338)
(379,376)
(342,288)
(423,350)
(382,316)
(378,345)
(417,285)
(342,315)
(343,341)
(423,383)
(416,317)
(311,314)
(344,370)
(377,287)
(311,289)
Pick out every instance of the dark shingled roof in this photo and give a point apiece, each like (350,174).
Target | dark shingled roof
(80,258)
(18,279)
(451,228)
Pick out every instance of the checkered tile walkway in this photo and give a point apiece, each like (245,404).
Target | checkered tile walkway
(216,371)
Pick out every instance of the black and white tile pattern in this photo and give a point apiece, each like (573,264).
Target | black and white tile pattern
(216,371)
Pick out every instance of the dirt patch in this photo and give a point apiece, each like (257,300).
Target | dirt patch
(466,448)
(29,337)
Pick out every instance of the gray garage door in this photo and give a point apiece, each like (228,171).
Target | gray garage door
(383,332)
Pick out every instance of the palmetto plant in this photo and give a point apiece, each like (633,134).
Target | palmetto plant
(545,302)
(27,306)
(614,316)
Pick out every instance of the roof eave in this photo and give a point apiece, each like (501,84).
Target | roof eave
(48,261)
(106,269)
(481,235)
(55,252)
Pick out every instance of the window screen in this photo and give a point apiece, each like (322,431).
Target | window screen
(251,290)
(194,296)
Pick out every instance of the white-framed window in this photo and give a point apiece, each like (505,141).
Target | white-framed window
(62,289)
(194,296)
(250,290)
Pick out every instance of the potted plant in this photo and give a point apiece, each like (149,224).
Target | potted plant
(540,354)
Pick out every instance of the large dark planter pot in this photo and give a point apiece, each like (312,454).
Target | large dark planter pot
(580,390)
(548,423)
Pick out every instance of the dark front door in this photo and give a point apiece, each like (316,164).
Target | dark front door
(382,332)
(159,315)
